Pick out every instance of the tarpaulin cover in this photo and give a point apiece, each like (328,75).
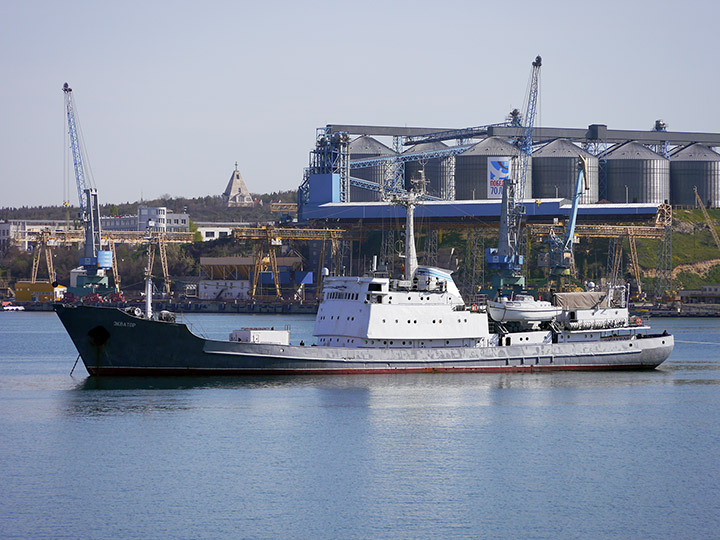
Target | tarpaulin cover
(580,300)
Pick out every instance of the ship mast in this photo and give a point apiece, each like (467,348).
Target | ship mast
(410,200)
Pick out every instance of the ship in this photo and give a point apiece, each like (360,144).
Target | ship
(418,322)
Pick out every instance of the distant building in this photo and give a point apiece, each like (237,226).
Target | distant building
(707,294)
(212,230)
(119,223)
(158,219)
(14,231)
(236,193)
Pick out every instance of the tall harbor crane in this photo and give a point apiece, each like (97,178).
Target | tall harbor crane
(87,196)
(506,257)
(94,259)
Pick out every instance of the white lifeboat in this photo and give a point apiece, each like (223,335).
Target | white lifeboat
(522,308)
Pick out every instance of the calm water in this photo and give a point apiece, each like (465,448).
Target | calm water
(563,455)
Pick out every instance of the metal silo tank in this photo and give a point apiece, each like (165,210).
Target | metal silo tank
(365,147)
(555,169)
(637,174)
(695,165)
(471,168)
(434,169)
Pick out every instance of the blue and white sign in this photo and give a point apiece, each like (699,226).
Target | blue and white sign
(498,171)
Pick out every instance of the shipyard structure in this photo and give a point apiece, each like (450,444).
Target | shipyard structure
(352,172)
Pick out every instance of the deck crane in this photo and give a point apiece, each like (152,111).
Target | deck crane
(93,258)
(506,257)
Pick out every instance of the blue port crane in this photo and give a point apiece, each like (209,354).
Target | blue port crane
(506,257)
(560,258)
(87,196)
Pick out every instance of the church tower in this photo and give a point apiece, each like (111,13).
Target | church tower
(236,193)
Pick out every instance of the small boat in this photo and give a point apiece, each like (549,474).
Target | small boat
(522,308)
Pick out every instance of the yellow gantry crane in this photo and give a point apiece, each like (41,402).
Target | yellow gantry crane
(269,238)
(42,245)
(707,217)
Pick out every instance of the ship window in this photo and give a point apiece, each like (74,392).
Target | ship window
(375,287)
(408,321)
(414,322)
(383,320)
(433,321)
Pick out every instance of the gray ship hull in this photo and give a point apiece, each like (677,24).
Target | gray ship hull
(112,342)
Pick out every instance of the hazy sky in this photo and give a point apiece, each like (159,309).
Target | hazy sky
(171,94)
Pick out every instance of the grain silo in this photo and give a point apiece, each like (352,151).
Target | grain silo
(695,165)
(636,174)
(365,147)
(555,170)
(434,168)
(479,167)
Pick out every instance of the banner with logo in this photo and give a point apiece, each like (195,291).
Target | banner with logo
(498,170)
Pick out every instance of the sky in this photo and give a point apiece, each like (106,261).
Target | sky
(170,94)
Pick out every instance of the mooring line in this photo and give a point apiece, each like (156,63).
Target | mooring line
(75,364)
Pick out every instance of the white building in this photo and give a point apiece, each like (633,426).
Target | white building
(119,223)
(15,230)
(157,218)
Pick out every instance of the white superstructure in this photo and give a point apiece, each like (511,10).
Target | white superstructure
(380,312)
